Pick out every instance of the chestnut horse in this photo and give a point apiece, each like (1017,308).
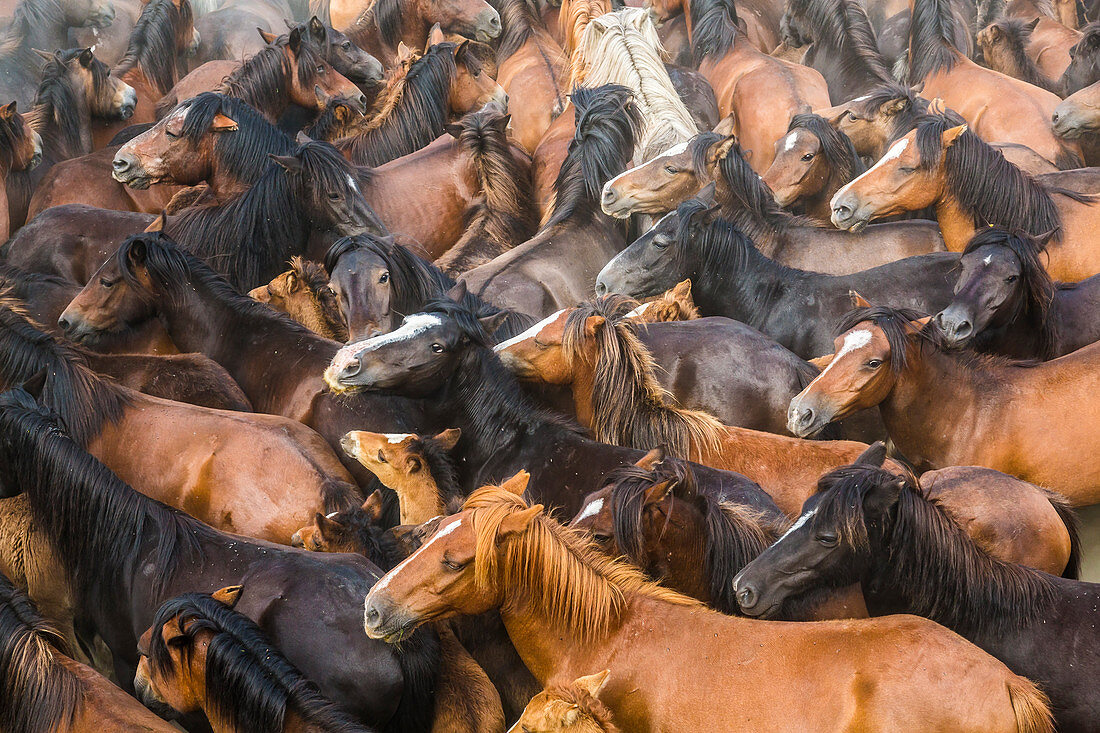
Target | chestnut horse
(569,708)
(303,293)
(46,689)
(971,185)
(1004,49)
(20,150)
(384,24)
(888,358)
(869,526)
(569,610)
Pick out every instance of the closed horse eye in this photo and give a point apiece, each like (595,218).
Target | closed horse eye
(334,196)
(602,539)
(829,540)
(670,170)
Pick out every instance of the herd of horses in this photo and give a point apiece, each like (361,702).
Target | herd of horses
(463,366)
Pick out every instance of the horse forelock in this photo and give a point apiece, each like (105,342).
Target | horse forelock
(837,147)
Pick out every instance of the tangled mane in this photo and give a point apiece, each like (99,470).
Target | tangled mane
(384,18)
(607,124)
(714,28)
(413,112)
(161,34)
(61,112)
(249,683)
(623,48)
(13,133)
(30,14)
(837,148)
(36,692)
(630,407)
(989,189)
(83,400)
(669,306)
(505,213)
(559,571)
(924,555)
(573,695)
(1014,37)
(261,79)
(733,533)
(931,39)
(245,154)
(337,120)
(1035,285)
(841,29)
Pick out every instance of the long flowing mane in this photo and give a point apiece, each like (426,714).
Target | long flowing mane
(249,683)
(734,534)
(521,23)
(841,29)
(607,121)
(28,15)
(623,48)
(837,148)
(1036,286)
(559,571)
(244,154)
(58,114)
(83,400)
(505,213)
(413,112)
(931,39)
(630,406)
(714,25)
(260,80)
(36,692)
(929,559)
(161,32)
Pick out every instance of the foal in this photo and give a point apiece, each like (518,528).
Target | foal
(570,708)
(303,293)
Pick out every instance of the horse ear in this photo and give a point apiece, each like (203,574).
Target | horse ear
(682,289)
(937,106)
(593,684)
(435,35)
(951,135)
(448,438)
(269,38)
(35,383)
(157,225)
(457,293)
(47,56)
(822,362)
(1041,239)
(325,525)
(295,40)
(875,455)
(292,282)
(287,162)
(858,301)
(895,106)
(372,507)
(229,595)
(453,129)
(518,483)
(404,53)
(592,325)
(317,29)
(726,126)
(463,49)
(493,322)
(920,323)
(882,496)
(222,123)
(651,459)
(301,138)
(656,493)
(86,58)
(518,522)
(7,111)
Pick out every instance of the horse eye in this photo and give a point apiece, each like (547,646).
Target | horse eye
(106,283)
(906,170)
(829,540)
(670,170)
(437,348)
(659,244)
(451,565)
(602,539)
(334,196)
(381,458)
(170,134)
(875,363)
(385,278)
(808,156)
(1011,278)
(320,69)
(346,45)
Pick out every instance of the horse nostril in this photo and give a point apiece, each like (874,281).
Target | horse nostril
(746,597)
(842,211)
(601,289)
(610,195)
(1055,117)
(494,22)
(362,103)
(963,329)
(120,165)
(372,615)
(64,323)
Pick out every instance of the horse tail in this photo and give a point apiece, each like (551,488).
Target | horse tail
(1030,705)
(418,657)
(1069,518)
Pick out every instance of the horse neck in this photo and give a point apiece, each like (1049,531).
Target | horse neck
(956,226)
(36,30)
(750,289)
(583,386)
(420,499)
(57,144)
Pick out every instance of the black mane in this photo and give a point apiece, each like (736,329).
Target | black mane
(841,29)
(249,683)
(519,22)
(931,39)
(154,42)
(835,145)
(714,28)
(57,115)
(245,153)
(259,80)
(385,16)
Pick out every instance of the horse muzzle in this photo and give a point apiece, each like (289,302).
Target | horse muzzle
(383,621)
(487,26)
(847,215)
(804,418)
(955,327)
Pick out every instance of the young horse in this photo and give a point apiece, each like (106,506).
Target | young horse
(660,185)
(127,554)
(971,185)
(20,150)
(1004,48)
(595,350)
(732,278)
(1006,303)
(886,357)
(870,526)
(303,293)
(46,690)
(675,304)
(201,656)
(811,164)
(384,24)
(533,278)
(762,92)
(570,708)
(568,610)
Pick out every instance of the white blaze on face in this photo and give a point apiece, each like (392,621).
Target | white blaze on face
(988,259)
(790,141)
(533,331)
(854,340)
(395,438)
(593,508)
(801,521)
(658,161)
(412,327)
(446,530)
(892,154)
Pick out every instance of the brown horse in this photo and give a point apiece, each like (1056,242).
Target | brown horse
(569,610)
(303,293)
(1078,116)
(675,304)
(385,24)
(886,357)
(761,22)
(595,350)
(657,186)
(20,149)
(1004,48)
(971,185)
(46,689)
(190,378)
(761,91)
(568,708)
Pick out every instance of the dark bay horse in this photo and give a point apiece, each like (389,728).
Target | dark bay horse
(385,24)
(731,278)
(126,554)
(869,526)
(1004,49)
(20,149)
(1006,303)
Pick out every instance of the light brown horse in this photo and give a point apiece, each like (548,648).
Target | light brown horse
(302,292)
(675,304)
(20,149)
(971,185)
(568,708)
(595,350)
(569,610)
(962,409)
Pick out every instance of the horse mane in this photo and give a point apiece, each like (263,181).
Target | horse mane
(607,124)
(13,131)
(30,14)
(905,119)
(83,400)
(581,12)
(1016,34)
(413,112)
(734,536)
(505,213)
(842,27)
(837,148)
(57,115)
(931,39)
(161,29)
(245,153)
(249,683)
(329,127)
(938,568)
(520,23)
(384,16)
(623,48)
(315,279)
(575,696)
(630,406)
(259,80)
(714,28)
(36,692)
(1036,284)
(569,579)
(991,190)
